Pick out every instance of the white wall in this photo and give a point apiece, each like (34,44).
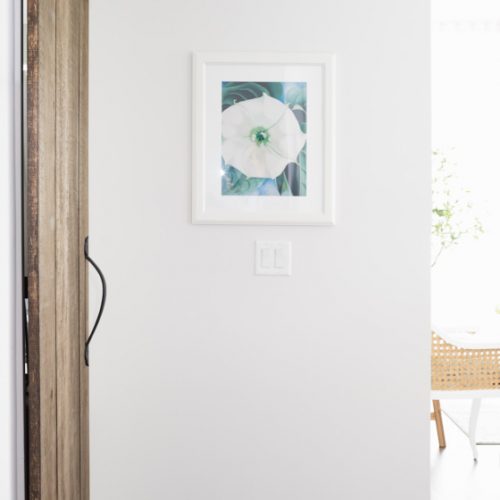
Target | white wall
(11,388)
(207,382)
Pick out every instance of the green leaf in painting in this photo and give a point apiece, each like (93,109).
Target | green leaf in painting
(283,186)
(295,94)
(233,92)
(246,185)
(302,161)
(292,175)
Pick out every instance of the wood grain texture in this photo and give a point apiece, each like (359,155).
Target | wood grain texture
(67,251)
(46,246)
(83,233)
(57,204)
(33,388)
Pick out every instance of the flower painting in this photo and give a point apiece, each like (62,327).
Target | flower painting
(264,139)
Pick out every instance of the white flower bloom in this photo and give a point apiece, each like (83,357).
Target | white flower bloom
(260,137)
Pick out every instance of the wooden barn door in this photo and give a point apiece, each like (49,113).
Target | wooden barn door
(57,388)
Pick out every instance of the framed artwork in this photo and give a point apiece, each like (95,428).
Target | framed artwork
(263,138)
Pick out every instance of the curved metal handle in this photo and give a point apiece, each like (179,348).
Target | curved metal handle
(103,298)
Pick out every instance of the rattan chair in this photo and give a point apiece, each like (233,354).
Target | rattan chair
(468,373)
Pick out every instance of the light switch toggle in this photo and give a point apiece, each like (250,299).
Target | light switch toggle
(273,258)
(267,258)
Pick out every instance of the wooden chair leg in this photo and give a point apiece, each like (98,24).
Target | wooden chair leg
(437,416)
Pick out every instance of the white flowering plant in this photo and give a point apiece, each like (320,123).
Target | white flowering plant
(453,213)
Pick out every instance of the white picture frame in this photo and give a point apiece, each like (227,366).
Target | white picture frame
(312,201)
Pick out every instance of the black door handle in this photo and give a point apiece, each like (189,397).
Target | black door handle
(103,298)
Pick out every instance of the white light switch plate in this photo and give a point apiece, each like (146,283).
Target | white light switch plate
(273,258)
